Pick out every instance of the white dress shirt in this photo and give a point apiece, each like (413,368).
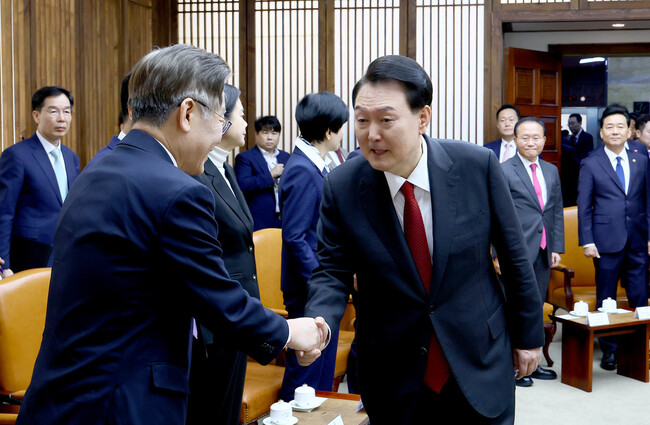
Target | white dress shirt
(538,172)
(419,178)
(49,147)
(271,161)
(312,153)
(625,163)
(511,152)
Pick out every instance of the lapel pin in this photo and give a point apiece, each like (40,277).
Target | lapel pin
(633,160)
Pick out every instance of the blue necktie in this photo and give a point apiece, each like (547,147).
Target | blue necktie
(324,172)
(619,172)
(59,171)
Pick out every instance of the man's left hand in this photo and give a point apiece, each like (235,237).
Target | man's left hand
(526,361)
(555,259)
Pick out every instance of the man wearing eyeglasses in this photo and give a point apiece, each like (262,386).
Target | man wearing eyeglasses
(35,175)
(536,192)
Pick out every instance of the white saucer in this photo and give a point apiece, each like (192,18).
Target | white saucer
(307,407)
(271,421)
(573,313)
(617,311)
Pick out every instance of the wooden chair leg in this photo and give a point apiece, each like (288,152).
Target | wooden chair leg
(549,333)
(337,382)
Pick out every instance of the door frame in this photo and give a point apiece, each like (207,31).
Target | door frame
(497,14)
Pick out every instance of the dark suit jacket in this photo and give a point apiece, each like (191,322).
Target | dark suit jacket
(217,382)
(136,257)
(583,145)
(359,233)
(30,202)
(256,182)
(104,151)
(606,215)
(494,146)
(530,214)
(301,188)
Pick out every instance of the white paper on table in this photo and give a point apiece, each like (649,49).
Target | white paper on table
(337,421)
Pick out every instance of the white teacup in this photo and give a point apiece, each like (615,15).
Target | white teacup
(281,413)
(581,308)
(304,395)
(609,305)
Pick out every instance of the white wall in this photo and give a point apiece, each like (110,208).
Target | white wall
(540,40)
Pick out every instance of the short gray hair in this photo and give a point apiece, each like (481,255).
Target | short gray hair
(166,76)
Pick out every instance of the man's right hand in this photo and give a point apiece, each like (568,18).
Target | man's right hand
(591,251)
(5,272)
(277,170)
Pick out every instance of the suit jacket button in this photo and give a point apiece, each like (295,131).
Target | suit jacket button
(250,249)
(423,351)
(432,309)
(254,277)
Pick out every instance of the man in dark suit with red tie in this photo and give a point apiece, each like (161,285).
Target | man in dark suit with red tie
(614,217)
(439,339)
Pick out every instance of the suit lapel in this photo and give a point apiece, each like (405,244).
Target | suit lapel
(241,200)
(380,211)
(604,162)
(220,186)
(634,169)
(443,182)
(549,178)
(44,163)
(69,165)
(521,171)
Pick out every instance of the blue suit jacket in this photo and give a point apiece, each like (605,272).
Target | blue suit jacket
(359,233)
(495,147)
(255,181)
(104,151)
(606,215)
(136,257)
(30,200)
(300,195)
(583,145)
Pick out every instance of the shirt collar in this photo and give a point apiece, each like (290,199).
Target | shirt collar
(267,153)
(419,176)
(526,162)
(503,142)
(612,156)
(168,153)
(312,153)
(49,147)
(121,135)
(218,156)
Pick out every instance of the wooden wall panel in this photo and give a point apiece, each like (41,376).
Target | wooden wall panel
(86,46)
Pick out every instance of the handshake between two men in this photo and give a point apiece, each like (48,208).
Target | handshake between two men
(308,337)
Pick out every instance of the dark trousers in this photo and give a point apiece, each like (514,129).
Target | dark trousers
(216,385)
(451,407)
(542,272)
(631,267)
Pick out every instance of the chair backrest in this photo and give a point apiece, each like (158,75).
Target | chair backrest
(23,302)
(573,256)
(268,260)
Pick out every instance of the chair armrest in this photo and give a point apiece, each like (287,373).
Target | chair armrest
(18,396)
(280,311)
(568,275)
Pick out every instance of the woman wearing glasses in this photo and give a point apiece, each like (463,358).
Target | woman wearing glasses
(320,117)
(217,383)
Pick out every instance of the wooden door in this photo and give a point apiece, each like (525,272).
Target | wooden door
(533,82)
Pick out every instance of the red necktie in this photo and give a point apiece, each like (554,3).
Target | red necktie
(538,192)
(338,152)
(437,371)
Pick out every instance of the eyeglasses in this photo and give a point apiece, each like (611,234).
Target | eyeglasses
(225,123)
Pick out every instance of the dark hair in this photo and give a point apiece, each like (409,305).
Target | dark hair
(530,119)
(614,109)
(231,94)
(641,121)
(634,116)
(124,98)
(38,98)
(268,121)
(414,79)
(508,106)
(318,112)
(578,117)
